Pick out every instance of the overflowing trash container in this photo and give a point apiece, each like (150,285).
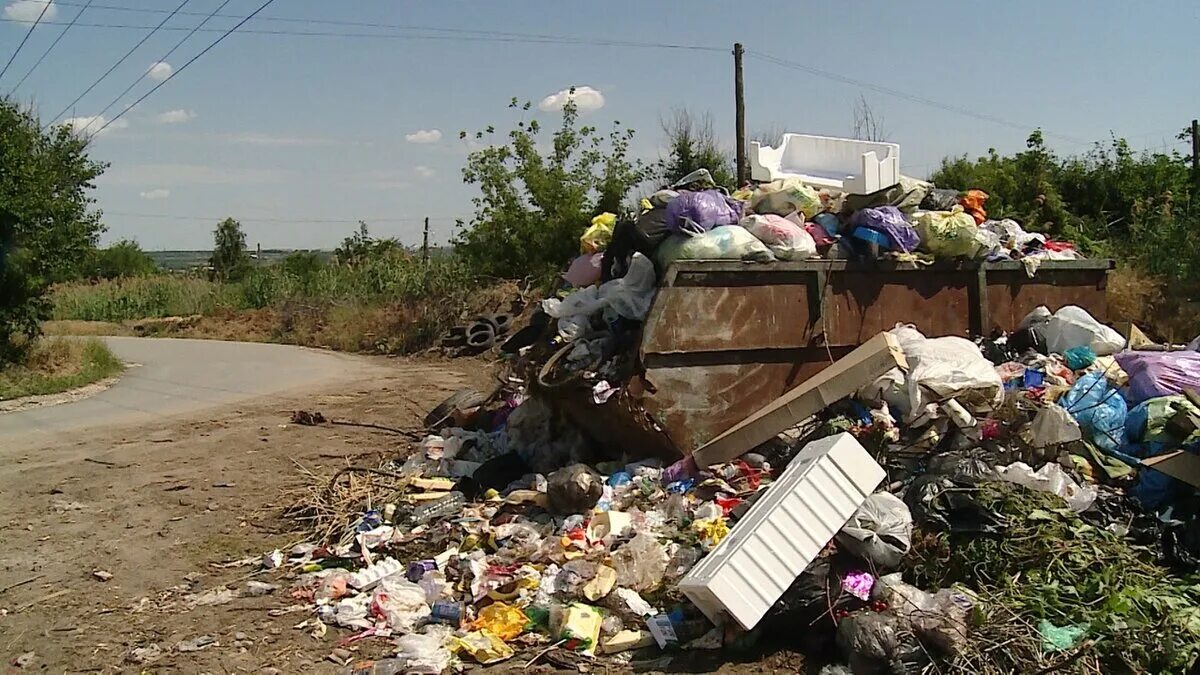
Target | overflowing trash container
(885,421)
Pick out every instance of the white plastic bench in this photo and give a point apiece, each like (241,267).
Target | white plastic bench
(846,164)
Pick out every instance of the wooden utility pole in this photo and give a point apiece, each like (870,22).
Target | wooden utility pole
(1196,153)
(425,242)
(743,171)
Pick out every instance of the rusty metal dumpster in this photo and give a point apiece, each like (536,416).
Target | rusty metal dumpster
(724,338)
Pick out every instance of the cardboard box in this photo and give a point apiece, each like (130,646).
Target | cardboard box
(860,367)
(1180,464)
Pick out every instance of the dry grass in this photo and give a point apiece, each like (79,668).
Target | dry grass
(85,328)
(54,365)
(1156,307)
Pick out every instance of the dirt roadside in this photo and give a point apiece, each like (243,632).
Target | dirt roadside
(158,506)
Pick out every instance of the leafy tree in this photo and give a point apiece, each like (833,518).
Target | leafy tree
(229,261)
(537,198)
(692,144)
(46,225)
(361,247)
(123,259)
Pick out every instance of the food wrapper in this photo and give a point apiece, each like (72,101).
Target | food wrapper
(581,628)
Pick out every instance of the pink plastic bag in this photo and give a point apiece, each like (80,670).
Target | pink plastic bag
(584,270)
(787,240)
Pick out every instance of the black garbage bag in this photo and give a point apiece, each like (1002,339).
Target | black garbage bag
(880,643)
(949,504)
(1027,339)
(940,199)
(964,465)
(494,474)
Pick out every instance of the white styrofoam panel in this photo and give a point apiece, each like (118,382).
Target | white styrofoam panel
(784,531)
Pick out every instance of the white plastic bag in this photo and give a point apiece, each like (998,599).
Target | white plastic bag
(944,368)
(400,603)
(1053,425)
(728,242)
(880,531)
(1050,478)
(786,240)
(1072,326)
(425,654)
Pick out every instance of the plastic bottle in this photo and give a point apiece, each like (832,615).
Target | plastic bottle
(449,505)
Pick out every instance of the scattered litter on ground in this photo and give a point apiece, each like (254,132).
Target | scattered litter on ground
(1022,501)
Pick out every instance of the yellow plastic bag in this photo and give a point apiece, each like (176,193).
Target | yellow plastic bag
(597,237)
(785,196)
(948,234)
(483,647)
(502,620)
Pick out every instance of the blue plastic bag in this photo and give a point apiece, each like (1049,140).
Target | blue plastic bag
(1099,409)
(1078,358)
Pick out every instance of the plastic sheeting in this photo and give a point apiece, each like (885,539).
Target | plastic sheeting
(705,208)
(1154,374)
(785,239)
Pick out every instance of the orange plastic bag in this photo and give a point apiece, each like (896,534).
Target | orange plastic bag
(972,203)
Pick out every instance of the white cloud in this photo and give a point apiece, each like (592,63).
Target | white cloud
(159,71)
(586,99)
(90,126)
(178,116)
(28,11)
(156,193)
(425,172)
(268,139)
(424,136)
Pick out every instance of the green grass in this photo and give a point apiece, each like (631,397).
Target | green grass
(394,303)
(55,365)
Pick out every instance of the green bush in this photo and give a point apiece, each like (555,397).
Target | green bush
(123,259)
(1139,208)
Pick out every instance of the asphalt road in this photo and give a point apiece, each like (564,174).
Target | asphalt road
(170,377)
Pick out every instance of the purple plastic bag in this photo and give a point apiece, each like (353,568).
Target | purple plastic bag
(708,208)
(890,221)
(1154,374)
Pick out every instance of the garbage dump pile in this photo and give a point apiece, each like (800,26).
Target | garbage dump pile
(1021,503)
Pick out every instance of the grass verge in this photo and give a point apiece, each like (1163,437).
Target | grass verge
(54,365)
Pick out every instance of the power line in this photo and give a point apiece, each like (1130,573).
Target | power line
(25,39)
(903,94)
(161,59)
(189,62)
(154,29)
(367,24)
(52,45)
(277,219)
(466,36)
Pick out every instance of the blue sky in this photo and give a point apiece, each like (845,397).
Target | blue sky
(298,136)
